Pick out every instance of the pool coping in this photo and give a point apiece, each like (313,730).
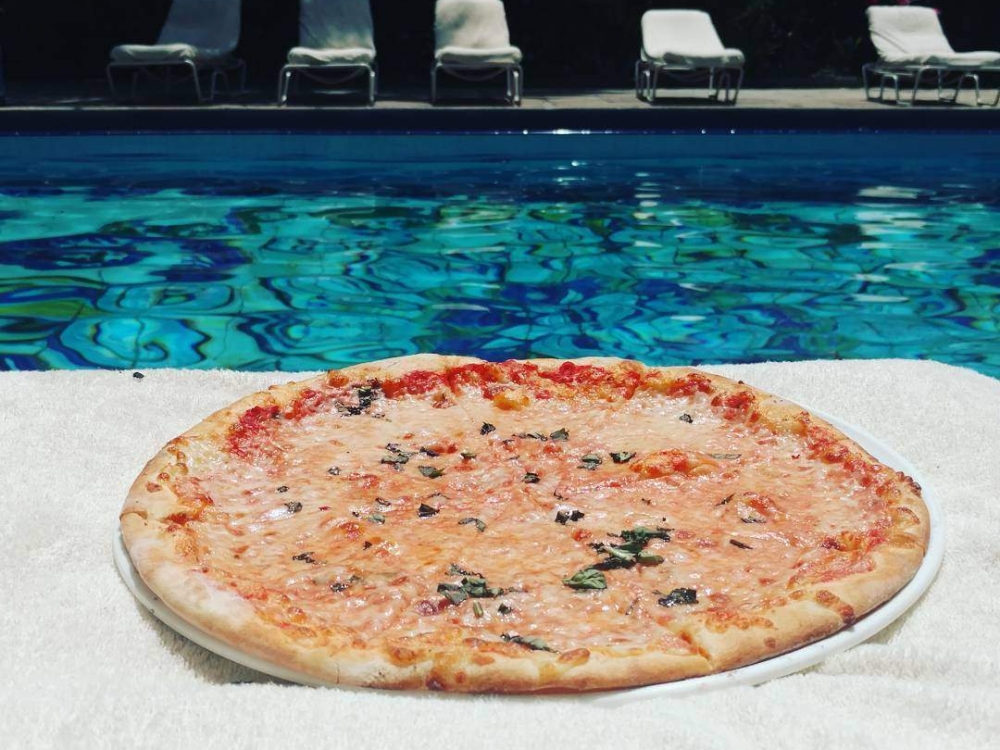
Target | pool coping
(659,120)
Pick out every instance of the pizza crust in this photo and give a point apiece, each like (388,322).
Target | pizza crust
(811,611)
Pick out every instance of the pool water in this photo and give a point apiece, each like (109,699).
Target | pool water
(303,253)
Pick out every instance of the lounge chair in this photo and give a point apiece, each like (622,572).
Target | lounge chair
(337,44)
(911,44)
(683,44)
(472,42)
(198,35)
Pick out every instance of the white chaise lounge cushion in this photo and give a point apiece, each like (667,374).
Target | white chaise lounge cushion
(473,32)
(686,38)
(334,32)
(198,30)
(913,36)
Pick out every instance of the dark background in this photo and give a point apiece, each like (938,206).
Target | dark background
(565,42)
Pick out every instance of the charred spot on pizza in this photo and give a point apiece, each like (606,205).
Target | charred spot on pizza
(305,557)
(590,462)
(530,477)
(504,608)
(294,507)
(282,488)
(741,545)
(138,375)
(677,597)
(531,436)
(486,429)
(426,511)
(563,516)
(333,471)
(622,457)
(686,418)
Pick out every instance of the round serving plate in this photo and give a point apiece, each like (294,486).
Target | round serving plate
(753,674)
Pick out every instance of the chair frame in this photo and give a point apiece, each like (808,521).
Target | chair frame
(647,75)
(896,73)
(513,72)
(191,67)
(319,73)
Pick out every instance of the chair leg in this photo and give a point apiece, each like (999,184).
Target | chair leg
(111,83)
(371,86)
(434,72)
(518,85)
(197,83)
(739,86)
(284,77)
(713,93)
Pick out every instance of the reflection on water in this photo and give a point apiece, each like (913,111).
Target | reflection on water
(678,265)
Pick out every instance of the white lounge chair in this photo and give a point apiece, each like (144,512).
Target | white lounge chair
(337,44)
(684,44)
(472,42)
(911,44)
(198,35)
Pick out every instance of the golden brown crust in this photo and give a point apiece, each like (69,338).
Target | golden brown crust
(813,609)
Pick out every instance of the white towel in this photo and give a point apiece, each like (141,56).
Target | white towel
(82,665)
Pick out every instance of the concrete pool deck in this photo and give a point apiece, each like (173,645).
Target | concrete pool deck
(88,107)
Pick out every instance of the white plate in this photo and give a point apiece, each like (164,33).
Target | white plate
(754,674)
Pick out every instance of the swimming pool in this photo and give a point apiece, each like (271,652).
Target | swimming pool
(302,252)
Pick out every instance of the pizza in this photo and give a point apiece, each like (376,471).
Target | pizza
(446,523)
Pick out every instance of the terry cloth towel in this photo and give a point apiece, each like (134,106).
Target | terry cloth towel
(82,665)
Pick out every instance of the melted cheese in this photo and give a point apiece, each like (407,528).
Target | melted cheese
(326,533)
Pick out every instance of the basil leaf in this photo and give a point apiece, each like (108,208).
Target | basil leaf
(725,456)
(678,596)
(560,434)
(486,429)
(587,578)
(467,455)
(480,525)
(531,478)
(430,472)
(477,609)
(535,644)
(648,558)
(686,418)
(294,507)
(425,511)
(623,457)
(531,436)
(504,608)
(642,534)
(456,594)
(590,462)
(376,518)
(741,545)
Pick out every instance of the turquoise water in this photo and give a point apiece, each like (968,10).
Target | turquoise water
(301,253)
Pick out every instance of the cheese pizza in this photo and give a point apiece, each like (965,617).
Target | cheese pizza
(446,523)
